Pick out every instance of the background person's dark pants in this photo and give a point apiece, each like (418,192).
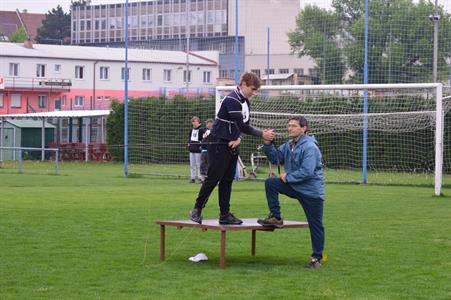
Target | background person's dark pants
(221,169)
(313,209)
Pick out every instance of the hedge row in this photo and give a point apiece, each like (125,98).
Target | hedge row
(159,128)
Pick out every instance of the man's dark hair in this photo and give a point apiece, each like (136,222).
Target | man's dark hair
(301,120)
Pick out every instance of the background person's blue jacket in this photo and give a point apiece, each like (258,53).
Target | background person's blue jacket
(302,165)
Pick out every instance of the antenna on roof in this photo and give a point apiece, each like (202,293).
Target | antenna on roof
(19,15)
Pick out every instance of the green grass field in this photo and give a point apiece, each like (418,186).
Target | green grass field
(89,233)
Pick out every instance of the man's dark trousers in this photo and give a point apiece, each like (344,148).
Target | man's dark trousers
(313,209)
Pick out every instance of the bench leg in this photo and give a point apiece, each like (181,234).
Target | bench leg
(222,251)
(162,243)
(253,242)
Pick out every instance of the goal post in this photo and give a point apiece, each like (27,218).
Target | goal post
(405,123)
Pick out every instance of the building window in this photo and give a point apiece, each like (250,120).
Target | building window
(1,100)
(13,69)
(63,101)
(57,69)
(167,75)
(79,100)
(298,71)
(147,74)
(40,70)
(271,71)
(42,101)
(15,100)
(123,74)
(106,98)
(104,73)
(99,98)
(284,71)
(186,76)
(223,73)
(79,72)
(256,72)
(207,77)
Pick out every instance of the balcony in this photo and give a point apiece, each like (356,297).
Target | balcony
(37,84)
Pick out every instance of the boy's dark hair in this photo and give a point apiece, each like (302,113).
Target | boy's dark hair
(209,121)
(301,120)
(250,79)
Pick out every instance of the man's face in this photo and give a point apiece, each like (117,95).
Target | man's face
(195,123)
(295,130)
(248,91)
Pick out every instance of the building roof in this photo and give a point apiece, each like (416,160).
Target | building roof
(106,54)
(28,123)
(277,76)
(10,22)
(61,114)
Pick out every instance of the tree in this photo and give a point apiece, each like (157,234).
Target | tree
(400,40)
(19,36)
(55,27)
(80,3)
(316,35)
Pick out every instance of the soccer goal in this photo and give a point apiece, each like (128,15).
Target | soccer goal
(375,133)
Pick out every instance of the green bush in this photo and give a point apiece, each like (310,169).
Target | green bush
(159,128)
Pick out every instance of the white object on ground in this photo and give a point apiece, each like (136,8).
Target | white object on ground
(199,257)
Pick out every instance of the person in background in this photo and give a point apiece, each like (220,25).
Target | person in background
(194,147)
(303,181)
(204,150)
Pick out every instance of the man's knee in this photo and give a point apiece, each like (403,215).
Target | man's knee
(270,182)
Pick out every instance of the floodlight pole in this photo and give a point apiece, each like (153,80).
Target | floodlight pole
(237,75)
(126,93)
(435,20)
(268,57)
(365,101)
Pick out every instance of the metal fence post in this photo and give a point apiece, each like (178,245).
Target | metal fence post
(20,161)
(56,161)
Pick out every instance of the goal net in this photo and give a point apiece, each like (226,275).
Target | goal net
(380,134)
(367,133)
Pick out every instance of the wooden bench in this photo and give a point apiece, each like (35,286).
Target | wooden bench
(248,224)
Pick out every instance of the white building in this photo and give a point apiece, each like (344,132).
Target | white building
(254,19)
(53,77)
(210,25)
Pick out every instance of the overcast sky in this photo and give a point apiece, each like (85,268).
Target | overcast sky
(43,6)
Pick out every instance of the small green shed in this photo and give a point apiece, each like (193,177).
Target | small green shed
(25,133)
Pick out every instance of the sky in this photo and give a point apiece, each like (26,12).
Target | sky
(43,6)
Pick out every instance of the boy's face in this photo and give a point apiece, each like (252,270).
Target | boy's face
(248,90)
(195,123)
(209,125)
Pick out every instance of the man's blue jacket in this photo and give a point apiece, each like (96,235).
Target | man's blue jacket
(302,165)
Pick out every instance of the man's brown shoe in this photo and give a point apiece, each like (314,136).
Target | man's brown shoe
(271,221)
(314,263)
